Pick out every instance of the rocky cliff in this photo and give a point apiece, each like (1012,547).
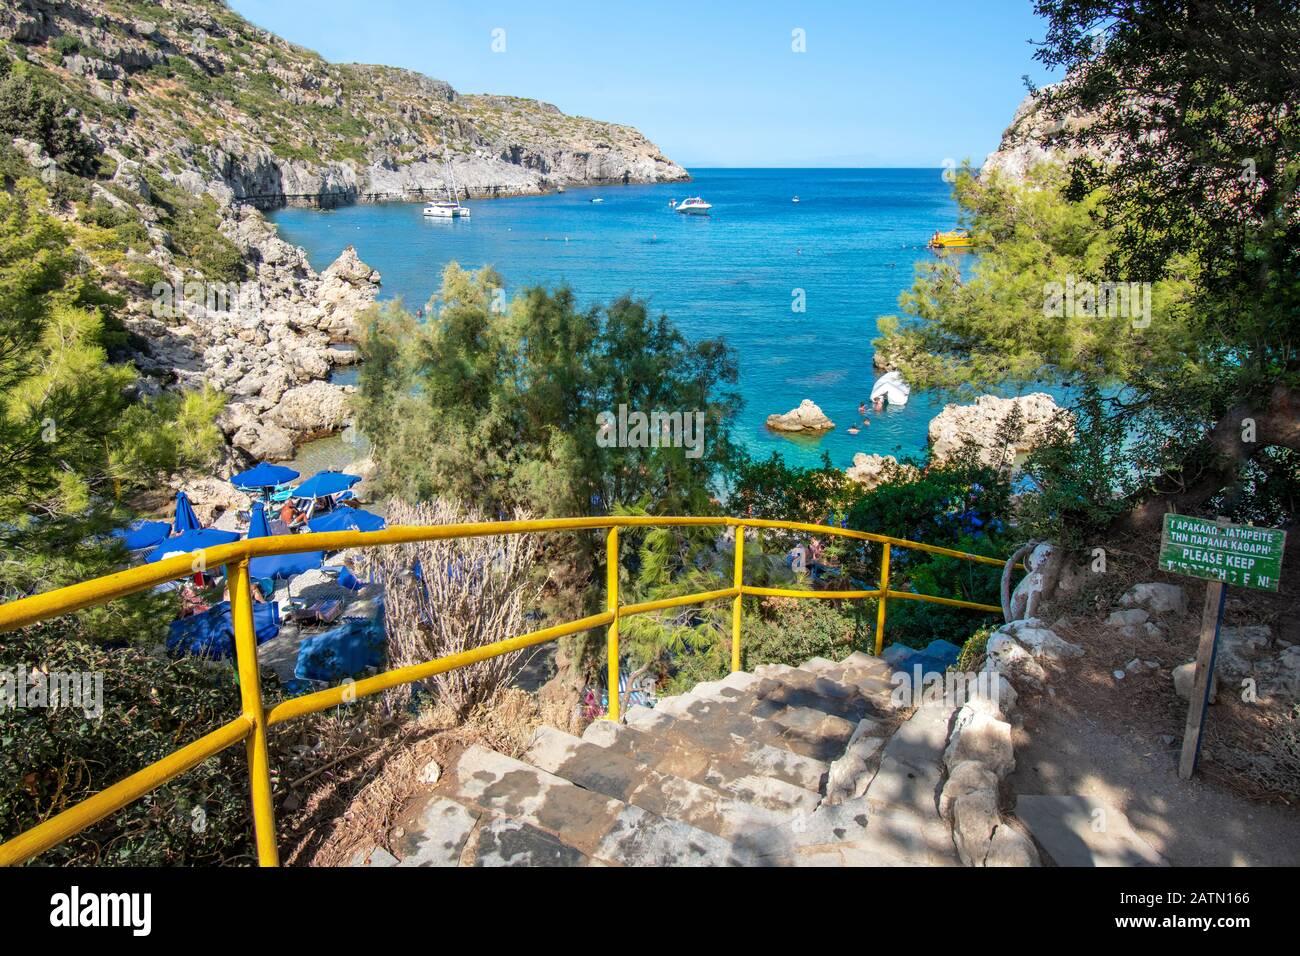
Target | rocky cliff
(245,114)
(198,120)
(1027,142)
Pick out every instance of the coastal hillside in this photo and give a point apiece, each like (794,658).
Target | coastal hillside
(195,88)
(1029,139)
(161,130)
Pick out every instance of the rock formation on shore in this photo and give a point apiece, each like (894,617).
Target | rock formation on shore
(981,425)
(807,418)
(243,114)
(1025,144)
(872,471)
(199,119)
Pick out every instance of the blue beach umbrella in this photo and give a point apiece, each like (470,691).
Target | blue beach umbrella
(325,483)
(277,565)
(347,519)
(258,526)
(194,540)
(264,475)
(143,534)
(186,519)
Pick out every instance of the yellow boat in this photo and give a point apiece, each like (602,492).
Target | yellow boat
(955,239)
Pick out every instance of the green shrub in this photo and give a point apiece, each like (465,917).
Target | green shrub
(33,112)
(52,758)
(776,631)
(961,505)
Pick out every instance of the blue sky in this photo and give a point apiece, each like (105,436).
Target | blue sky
(882,82)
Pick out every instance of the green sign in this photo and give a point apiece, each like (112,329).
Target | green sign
(1232,553)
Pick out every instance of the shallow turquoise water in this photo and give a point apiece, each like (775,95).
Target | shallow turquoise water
(849,244)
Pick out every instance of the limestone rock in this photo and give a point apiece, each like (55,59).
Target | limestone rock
(1041,642)
(1006,655)
(872,471)
(806,418)
(1241,647)
(974,819)
(313,409)
(1128,618)
(979,424)
(1025,143)
(1156,597)
(1010,847)
(983,739)
(968,776)
(1184,678)
(264,441)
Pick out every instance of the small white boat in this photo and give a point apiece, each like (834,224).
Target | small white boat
(446,209)
(694,206)
(891,388)
(597,199)
(795,199)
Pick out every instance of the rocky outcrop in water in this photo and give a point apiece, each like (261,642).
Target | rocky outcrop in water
(872,471)
(807,418)
(987,426)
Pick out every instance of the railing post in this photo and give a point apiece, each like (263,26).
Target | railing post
(250,690)
(884,599)
(611,597)
(738,582)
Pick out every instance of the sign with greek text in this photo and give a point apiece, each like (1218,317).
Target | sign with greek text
(1235,554)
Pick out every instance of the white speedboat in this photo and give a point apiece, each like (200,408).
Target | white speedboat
(597,199)
(446,209)
(795,199)
(892,389)
(694,206)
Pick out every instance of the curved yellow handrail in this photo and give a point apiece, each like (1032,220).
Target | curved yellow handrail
(254,722)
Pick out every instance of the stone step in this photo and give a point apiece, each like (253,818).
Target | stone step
(768,776)
(911,765)
(899,838)
(435,832)
(1084,831)
(802,688)
(872,678)
(811,733)
(501,842)
(605,771)
(600,827)
(443,832)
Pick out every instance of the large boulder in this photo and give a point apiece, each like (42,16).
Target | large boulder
(981,425)
(317,408)
(872,471)
(347,288)
(264,441)
(806,418)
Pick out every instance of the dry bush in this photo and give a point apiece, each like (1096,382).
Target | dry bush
(470,592)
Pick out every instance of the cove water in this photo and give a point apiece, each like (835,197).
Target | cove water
(848,247)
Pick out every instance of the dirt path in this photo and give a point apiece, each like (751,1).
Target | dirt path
(1103,738)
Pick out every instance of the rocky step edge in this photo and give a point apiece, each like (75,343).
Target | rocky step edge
(497,811)
(980,754)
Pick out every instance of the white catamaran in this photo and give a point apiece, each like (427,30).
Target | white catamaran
(449,208)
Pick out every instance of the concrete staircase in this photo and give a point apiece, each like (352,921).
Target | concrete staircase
(782,767)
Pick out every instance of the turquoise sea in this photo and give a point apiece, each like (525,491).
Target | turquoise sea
(849,244)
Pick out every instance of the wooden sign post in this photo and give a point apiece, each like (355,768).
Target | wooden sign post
(1223,554)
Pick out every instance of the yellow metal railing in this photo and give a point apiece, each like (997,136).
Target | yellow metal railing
(254,722)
